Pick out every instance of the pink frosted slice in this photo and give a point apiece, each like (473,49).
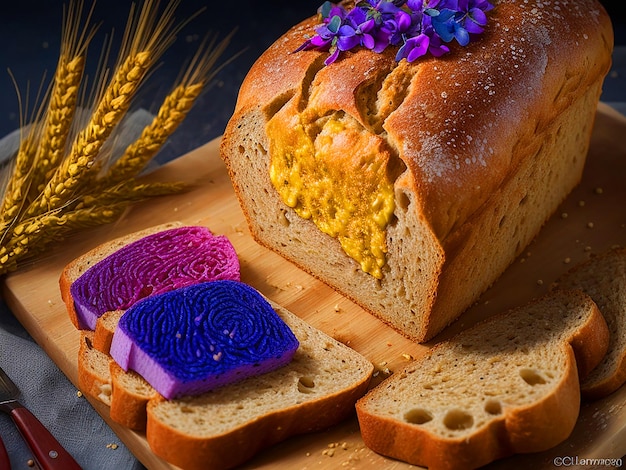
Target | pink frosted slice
(152,265)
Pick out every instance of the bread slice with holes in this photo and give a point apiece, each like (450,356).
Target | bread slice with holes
(603,278)
(508,385)
(317,389)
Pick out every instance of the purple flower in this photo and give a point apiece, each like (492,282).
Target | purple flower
(413,48)
(416,27)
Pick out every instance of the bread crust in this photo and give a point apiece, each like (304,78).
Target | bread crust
(531,425)
(492,138)
(603,278)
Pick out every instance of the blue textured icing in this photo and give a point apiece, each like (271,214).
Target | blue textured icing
(200,337)
(152,265)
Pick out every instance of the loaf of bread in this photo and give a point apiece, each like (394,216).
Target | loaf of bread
(603,278)
(410,187)
(507,385)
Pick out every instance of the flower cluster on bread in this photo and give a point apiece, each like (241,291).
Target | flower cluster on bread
(416,27)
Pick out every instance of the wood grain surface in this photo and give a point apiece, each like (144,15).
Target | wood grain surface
(591,220)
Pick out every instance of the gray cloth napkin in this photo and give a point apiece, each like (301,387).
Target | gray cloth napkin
(54,400)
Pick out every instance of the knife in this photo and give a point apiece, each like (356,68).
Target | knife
(47,451)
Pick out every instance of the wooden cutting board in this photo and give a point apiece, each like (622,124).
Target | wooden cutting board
(590,221)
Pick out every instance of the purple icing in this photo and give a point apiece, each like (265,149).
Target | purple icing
(152,265)
(197,338)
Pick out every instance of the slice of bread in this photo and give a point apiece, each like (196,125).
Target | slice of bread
(105,327)
(118,273)
(226,427)
(75,268)
(508,385)
(603,278)
(130,394)
(212,334)
(94,376)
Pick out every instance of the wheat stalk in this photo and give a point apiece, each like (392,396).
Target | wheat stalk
(171,113)
(58,118)
(34,235)
(129,191)
(144,42)
(64,97)
(53,191)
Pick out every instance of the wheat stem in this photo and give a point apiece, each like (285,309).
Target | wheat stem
(129,191)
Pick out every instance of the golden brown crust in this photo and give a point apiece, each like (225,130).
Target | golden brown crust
(239,445)
(519,86)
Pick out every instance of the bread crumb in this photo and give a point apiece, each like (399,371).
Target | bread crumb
(382,367)
(598,190)
(567,260)
(589,224)
(79,394)
(337,308)
(564,215)
(30,462)
(581,203)
(540,282)
(112,446)
(407,357)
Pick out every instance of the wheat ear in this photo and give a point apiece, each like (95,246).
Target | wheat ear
(145,40)
(172,112)
(34,235)
(84,151)
(63,100)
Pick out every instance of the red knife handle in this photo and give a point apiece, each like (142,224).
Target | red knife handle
(49,454)
(5,462)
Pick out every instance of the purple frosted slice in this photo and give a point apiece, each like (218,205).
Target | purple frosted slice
(200,337)
(152,265)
